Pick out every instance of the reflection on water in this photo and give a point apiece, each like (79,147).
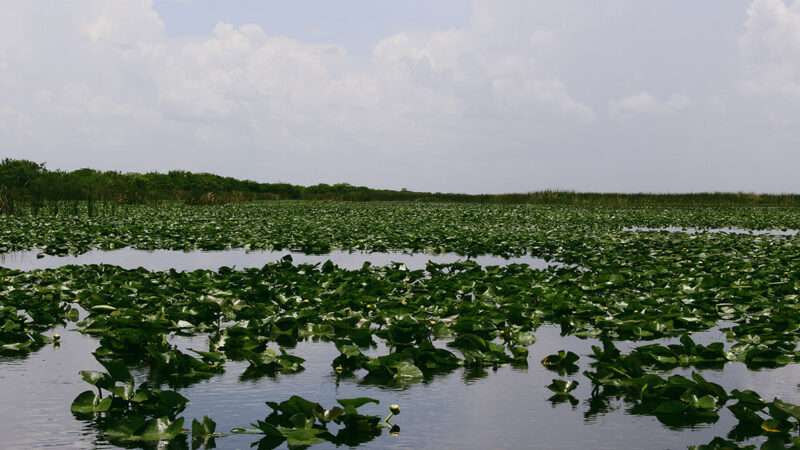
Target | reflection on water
(36,392)
(505,409)
(240,258)
(729,230)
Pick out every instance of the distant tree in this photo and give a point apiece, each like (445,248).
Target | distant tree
(18,173)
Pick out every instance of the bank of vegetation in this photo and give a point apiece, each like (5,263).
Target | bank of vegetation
(30,184)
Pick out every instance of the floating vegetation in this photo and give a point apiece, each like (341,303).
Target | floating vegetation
(302,423)
(643,297)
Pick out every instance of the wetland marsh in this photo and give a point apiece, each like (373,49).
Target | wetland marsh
(596,333)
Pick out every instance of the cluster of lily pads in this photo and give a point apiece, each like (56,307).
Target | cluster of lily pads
(25,322)
(128,414)
(395,327)
(565,233)
(301,423)
(673,400)
(678,400)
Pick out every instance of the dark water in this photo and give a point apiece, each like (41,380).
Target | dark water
(193,260)
(506,409)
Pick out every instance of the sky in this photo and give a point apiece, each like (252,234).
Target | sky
(478,96)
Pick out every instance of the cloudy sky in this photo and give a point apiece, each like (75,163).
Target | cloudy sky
(445,95)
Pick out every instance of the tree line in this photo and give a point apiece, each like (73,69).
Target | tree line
(27,182)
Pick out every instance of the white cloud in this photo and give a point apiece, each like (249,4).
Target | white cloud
(645,103)
(517,98)
(771,48)
(118,73)
(480,70)
(128,22)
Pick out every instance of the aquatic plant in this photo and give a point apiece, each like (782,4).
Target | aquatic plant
(395,327)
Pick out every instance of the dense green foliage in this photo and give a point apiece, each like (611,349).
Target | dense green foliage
(26,184)
(617,285)
(571,234)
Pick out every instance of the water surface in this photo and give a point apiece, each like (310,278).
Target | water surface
(503,409)
(159,260)
(727,230)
